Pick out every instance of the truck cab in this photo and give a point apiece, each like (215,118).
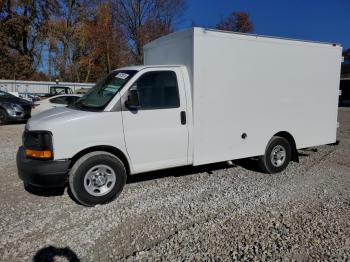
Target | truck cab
(133,108)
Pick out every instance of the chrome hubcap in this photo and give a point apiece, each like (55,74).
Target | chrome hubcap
(99,180)
(278,156)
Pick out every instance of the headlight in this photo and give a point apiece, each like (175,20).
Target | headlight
(38,144)
(16,107)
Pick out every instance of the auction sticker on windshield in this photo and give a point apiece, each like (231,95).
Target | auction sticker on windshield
(122,75)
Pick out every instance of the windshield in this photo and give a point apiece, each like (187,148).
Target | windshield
(104,91)
(6,95)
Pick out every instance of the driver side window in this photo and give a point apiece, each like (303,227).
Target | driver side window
(157,90)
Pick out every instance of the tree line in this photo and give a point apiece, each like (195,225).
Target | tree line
(83,40)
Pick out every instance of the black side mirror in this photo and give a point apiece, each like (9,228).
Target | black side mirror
(133,102)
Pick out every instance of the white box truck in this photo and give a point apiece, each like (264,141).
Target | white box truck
(202,96)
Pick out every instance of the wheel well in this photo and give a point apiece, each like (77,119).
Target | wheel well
(3,109)
(291,141)
(110,149)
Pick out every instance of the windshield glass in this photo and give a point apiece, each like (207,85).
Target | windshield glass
(104,91)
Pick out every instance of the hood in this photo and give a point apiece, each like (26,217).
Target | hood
(15,100)
(56,116)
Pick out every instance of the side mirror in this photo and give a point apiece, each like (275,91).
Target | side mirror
(133,102)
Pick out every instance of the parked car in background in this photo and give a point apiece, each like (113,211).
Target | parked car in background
(344,98)
(13,108)
(60,90)
(55,101)
(26,96)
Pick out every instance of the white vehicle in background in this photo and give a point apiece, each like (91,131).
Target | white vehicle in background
(203,96)
(55,101)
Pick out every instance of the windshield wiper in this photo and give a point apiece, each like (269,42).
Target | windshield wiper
(82,106)
(77,105)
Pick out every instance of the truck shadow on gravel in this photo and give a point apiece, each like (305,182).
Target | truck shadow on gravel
(44,192)
(249,164)
(246,163)
(51,254)
(176,172)
(50,192)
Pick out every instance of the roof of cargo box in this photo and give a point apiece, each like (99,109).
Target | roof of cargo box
(141,67)
(237,35)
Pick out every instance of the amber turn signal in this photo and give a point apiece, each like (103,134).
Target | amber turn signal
(46,154)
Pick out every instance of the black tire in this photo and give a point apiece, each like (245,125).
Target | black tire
(276,144)
(78,175)
(3,117)
(30,187)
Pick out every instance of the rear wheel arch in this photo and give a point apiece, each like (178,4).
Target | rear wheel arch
(109,149)
(5,116)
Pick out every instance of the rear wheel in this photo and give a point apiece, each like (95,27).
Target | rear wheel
(97,178)
(277,155)
(3,117)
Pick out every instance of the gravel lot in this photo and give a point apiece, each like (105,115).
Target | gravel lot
(215,212)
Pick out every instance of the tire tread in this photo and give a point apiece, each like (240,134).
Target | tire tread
(78,164)
(262,161)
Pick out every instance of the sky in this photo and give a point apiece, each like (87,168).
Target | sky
(317,20)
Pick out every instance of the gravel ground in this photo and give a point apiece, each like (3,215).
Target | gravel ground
(214,212)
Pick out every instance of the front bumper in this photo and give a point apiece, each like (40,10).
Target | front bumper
(21,113)
(42,173)
(18,117)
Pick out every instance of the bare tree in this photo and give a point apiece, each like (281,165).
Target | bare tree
(105,46)
(236,22)
(84,39)
(65,28)
(145,20)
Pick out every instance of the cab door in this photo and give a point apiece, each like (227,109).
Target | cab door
(156,133)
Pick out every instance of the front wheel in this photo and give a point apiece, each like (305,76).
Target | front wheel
(97,178)
(277,155)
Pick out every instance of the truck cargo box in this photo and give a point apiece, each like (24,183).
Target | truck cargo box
(247,88)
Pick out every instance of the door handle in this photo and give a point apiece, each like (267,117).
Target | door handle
(183,117)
